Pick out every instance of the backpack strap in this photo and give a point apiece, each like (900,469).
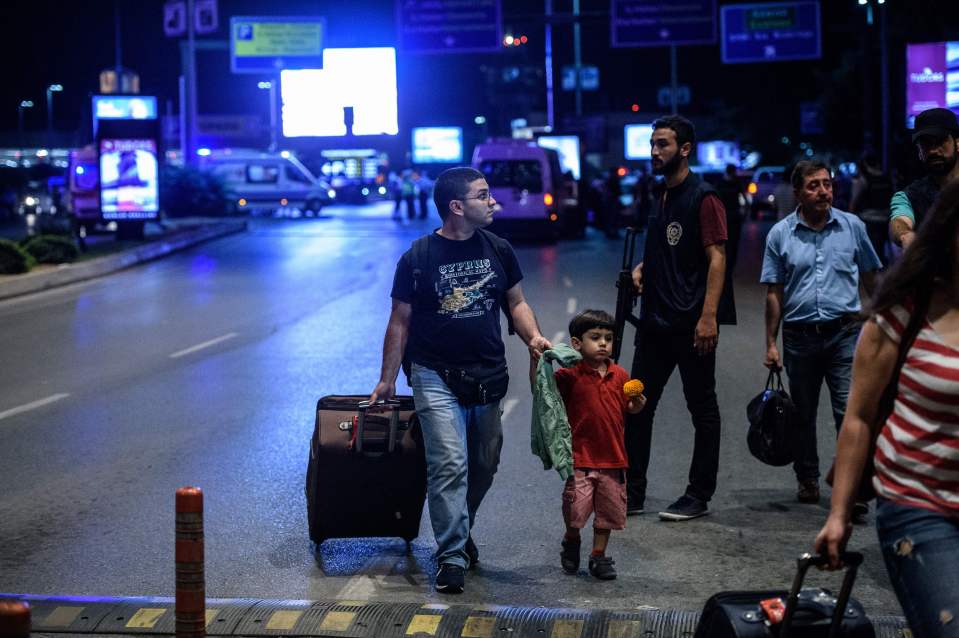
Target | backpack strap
(419,262)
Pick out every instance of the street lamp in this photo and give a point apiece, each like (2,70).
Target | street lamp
(53,88)
(271,87)
(24,104)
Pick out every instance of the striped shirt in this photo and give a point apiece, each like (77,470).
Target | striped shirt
(917,452)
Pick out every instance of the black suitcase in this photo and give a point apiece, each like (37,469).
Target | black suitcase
(367,471)
(808,612)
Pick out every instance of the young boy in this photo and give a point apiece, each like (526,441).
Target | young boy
(593,394)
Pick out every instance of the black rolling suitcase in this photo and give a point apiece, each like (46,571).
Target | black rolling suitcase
(800,613)
(367,470)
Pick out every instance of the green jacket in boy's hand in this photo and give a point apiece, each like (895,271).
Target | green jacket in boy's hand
(550,436)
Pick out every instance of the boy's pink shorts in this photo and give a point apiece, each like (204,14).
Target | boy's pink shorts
(599,492)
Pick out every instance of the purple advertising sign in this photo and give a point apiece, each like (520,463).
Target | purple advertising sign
(929,68)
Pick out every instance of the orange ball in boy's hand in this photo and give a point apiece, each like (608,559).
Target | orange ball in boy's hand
(633,388)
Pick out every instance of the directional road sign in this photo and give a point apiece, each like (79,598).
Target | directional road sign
(771,32)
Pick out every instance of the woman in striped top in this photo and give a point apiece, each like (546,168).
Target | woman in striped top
(917,447)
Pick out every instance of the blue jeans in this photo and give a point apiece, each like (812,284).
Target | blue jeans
(921,550)
(810,358)
(462,453)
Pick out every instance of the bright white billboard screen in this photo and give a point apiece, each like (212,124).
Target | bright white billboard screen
(567,146)
(637,145)
(314,100)
(437,144)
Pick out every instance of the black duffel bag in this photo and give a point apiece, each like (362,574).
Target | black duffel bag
(773,423)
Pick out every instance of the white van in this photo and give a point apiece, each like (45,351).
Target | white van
(526,181)
(265,183)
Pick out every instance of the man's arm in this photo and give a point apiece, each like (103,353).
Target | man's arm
(902,220)
(525,321)
(774,309)
(394,343)
(707,332)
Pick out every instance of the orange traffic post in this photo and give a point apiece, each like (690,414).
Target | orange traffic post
(14,619)
(190,581)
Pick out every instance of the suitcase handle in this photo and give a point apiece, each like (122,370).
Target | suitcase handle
(361,410)
(852,561)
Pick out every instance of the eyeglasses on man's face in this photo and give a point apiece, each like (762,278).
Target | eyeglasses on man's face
(483,196)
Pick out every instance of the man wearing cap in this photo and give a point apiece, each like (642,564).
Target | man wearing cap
(936,137)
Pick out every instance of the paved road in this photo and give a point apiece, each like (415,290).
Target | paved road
(204,369)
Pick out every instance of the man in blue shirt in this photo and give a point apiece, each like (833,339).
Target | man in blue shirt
(814,262)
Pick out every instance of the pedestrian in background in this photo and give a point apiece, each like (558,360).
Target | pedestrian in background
(814,261)
(447,294)
(936,137)
(871,192)
(592,392)
(424,188)
(682,279)
(732,195)
(404,190)
(915,448)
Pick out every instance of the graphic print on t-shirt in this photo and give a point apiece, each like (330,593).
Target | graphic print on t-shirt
(463,288)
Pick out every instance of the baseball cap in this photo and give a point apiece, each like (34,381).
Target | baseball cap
(936,122)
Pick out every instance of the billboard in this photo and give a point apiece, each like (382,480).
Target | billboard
(567,146)
(129,179)
(637,146)
(355,88)
(123,107)
(717,153)
(437,144)
(932,78)
(266,44)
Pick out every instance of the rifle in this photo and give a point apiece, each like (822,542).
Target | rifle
(626,295)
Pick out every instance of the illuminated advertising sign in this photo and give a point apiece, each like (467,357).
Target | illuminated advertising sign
(637,141)
(437,144)
(567,146)
(129,179)
(266,44)
(932,78)
(717,154)
(123,107)
(358,82)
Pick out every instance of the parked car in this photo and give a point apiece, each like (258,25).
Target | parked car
(763,190)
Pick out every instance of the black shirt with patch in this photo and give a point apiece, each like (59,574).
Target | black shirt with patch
(455,321)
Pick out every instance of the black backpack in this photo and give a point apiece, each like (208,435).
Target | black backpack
(773,422)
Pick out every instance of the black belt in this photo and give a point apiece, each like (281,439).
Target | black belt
(822,327)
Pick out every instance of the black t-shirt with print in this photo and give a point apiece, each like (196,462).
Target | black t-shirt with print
(455,321)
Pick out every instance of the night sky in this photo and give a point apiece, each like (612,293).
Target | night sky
(70,42)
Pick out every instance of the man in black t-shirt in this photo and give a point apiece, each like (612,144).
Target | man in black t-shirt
(448,291)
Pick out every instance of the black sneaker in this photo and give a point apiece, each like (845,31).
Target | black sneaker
(450,579)
(570,556)
(860,510)
(602,567)
(635,505)
(685,508)
(471,551)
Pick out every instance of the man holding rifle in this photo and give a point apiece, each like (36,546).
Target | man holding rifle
(682,280)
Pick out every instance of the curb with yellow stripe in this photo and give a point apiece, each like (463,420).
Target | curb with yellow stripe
(79,615)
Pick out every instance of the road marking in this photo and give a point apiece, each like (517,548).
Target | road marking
(20,409)
(284,619)
(567,282)
(478,627)
(558,337)
(205,344)
(337,620)
(508,407)
(423,624)
(145,618)
(571,305)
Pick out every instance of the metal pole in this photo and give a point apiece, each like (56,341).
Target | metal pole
(673,81)
(577,57)
(189,158)
(274,133)
(118,46)
(550,112)
(181,86)
(49,112)
(884,80)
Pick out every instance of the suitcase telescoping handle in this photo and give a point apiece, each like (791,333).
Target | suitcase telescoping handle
(362,407)
(852,561)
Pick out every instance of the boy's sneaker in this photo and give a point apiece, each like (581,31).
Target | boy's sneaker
(602,567)
(685,508)
(471,551)
(808,491)
(570,556)
(450,579)
(860,510)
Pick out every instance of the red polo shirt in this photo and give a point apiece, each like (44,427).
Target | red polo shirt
(596,409)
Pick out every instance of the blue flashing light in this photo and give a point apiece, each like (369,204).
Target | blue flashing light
(80,170)
(203,152)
